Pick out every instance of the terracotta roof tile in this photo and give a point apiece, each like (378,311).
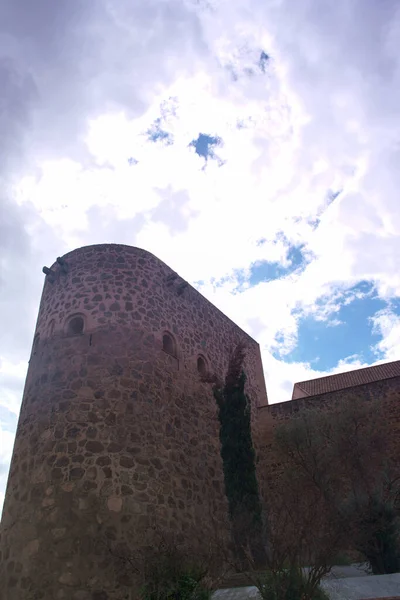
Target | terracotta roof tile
(341,381)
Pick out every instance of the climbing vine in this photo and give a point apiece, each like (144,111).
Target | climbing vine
(237,451)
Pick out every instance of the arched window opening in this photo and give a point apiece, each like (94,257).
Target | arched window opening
(75,325)
(168,344)
(202,366)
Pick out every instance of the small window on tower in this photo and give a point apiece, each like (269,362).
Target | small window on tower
(202,365)
(169,344)
(75,325)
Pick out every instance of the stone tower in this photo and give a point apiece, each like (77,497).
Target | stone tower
(116,431)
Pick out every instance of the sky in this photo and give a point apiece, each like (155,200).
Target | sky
(252,145)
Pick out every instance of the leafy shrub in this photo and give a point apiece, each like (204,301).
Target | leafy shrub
(378,535)
(173,572)
(187,585)
(289,584)
(342,560)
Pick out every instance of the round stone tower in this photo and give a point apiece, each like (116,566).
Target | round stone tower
(116,432)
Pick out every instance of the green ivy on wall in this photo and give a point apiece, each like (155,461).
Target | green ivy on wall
(237,452)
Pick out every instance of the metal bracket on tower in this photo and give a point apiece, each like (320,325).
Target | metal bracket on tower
(181,287)
(50,275)
(171,278)
(181,284)
(63,264)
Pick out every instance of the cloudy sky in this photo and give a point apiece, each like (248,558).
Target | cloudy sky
(252,145)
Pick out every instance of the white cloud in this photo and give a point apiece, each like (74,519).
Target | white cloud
(6,447)
(387,324)
(82,84)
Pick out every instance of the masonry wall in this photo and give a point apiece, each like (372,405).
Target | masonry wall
(387,392)
(115,435)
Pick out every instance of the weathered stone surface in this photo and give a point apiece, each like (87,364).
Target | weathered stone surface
(94,447)
(113,425)
(103,461)
(115,504)
(76,473)
(126,462)
(100,595)
(56,474)
(114,447)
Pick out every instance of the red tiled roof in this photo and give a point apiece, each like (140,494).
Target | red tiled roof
(341,381)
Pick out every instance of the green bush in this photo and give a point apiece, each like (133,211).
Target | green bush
(184,586)
(378,536)
(342,560)
(289,584)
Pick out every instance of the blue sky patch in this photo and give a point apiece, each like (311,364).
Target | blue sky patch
(267,271)
(332,342)
(205,145)
(155,133)
(8,420)
(394,305)
(329,198)
(263,62)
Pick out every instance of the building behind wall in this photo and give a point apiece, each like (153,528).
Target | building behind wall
(380,382)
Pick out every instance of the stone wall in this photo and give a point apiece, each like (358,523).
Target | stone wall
(115,434)
(387,392)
